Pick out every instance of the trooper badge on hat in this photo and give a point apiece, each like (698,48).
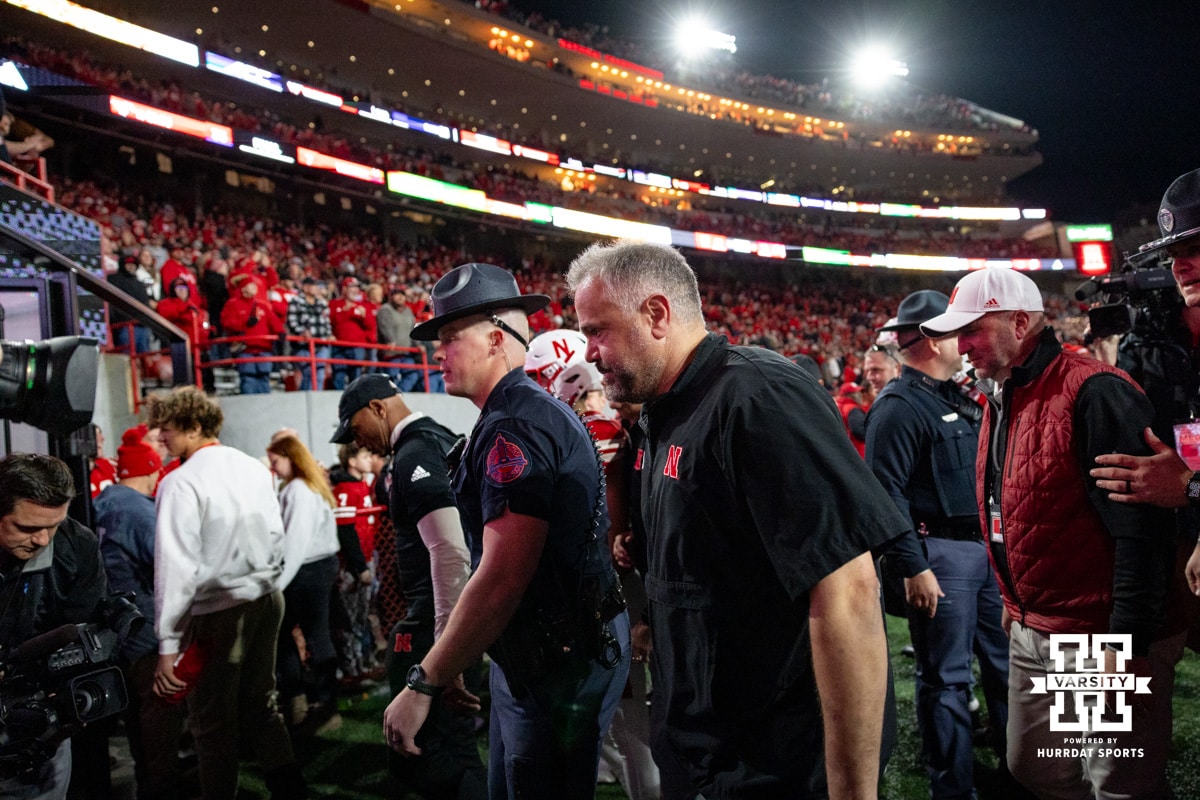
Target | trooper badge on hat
(1178,213)
(472,289)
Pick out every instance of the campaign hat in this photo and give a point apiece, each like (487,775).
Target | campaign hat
(471,289)
(918,307)
(1178,213)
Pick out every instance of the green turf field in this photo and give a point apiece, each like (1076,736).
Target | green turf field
(350,763)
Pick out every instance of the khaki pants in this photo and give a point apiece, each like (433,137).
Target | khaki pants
(235,694)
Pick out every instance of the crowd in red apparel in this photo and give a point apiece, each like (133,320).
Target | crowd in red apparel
(825,315)
(906,108)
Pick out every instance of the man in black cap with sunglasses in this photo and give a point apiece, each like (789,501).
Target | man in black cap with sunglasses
(922,434)
(543,600)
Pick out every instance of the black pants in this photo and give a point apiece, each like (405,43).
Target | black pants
(307,605)
(449,767)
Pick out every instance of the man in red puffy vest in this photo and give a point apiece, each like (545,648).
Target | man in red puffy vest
(1084,579)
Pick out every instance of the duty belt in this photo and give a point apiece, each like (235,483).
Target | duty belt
(952,530)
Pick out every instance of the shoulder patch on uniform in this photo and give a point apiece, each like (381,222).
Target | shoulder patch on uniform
(505,461)
(418,473)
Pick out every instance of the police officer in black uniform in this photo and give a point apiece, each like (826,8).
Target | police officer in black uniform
(544,600)
(922,435)
(433,563)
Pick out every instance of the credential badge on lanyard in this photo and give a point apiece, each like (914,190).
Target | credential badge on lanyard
(995,523)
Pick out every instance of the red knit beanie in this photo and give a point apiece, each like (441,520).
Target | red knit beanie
(134,456)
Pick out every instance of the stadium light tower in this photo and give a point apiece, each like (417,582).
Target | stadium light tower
(696,35)
(873,66)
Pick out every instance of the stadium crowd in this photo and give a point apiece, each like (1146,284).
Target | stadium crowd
(826,317)
(300,578)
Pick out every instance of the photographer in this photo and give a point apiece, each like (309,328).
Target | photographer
(50,575)
(1163,479)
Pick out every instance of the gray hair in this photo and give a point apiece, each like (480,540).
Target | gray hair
(633,270)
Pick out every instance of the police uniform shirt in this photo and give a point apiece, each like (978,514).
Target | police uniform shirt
(751,494)
(922,435)
(529,453)
(418,484)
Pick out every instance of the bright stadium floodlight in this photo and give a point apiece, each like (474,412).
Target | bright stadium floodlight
(697,35)
(873,66)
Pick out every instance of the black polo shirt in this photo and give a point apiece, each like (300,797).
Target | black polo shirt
(751,494)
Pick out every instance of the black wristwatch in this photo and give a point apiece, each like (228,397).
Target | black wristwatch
(416,682)
(1193,489)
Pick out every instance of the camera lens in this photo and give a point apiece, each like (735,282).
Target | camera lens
(90,697)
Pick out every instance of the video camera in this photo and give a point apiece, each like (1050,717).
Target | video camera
(49,384)
(1142,299)
(55,683)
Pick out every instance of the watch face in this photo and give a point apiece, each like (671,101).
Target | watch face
(415,675)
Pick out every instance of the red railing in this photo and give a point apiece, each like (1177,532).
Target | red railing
(309,360)
(139,361)
(304,357)
(26,182)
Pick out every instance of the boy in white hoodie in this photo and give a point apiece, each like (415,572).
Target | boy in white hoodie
(217,563)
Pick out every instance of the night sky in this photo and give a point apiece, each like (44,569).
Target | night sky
(1113,88)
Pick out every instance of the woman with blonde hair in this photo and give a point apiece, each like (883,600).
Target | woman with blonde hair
(310,568)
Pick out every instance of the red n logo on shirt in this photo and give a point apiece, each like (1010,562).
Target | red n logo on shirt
(403,643)
(637,462)
(671,468)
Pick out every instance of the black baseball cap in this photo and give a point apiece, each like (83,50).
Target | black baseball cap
(358,396)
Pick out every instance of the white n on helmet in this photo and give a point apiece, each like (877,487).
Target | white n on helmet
(550,353)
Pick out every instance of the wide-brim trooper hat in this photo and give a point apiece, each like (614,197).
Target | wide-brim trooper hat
(1178,213)
(982,292)
(918,307)
(473,288)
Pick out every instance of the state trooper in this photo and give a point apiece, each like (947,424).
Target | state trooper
(544,600)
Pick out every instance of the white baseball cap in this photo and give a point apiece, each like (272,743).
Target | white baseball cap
(984,291)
